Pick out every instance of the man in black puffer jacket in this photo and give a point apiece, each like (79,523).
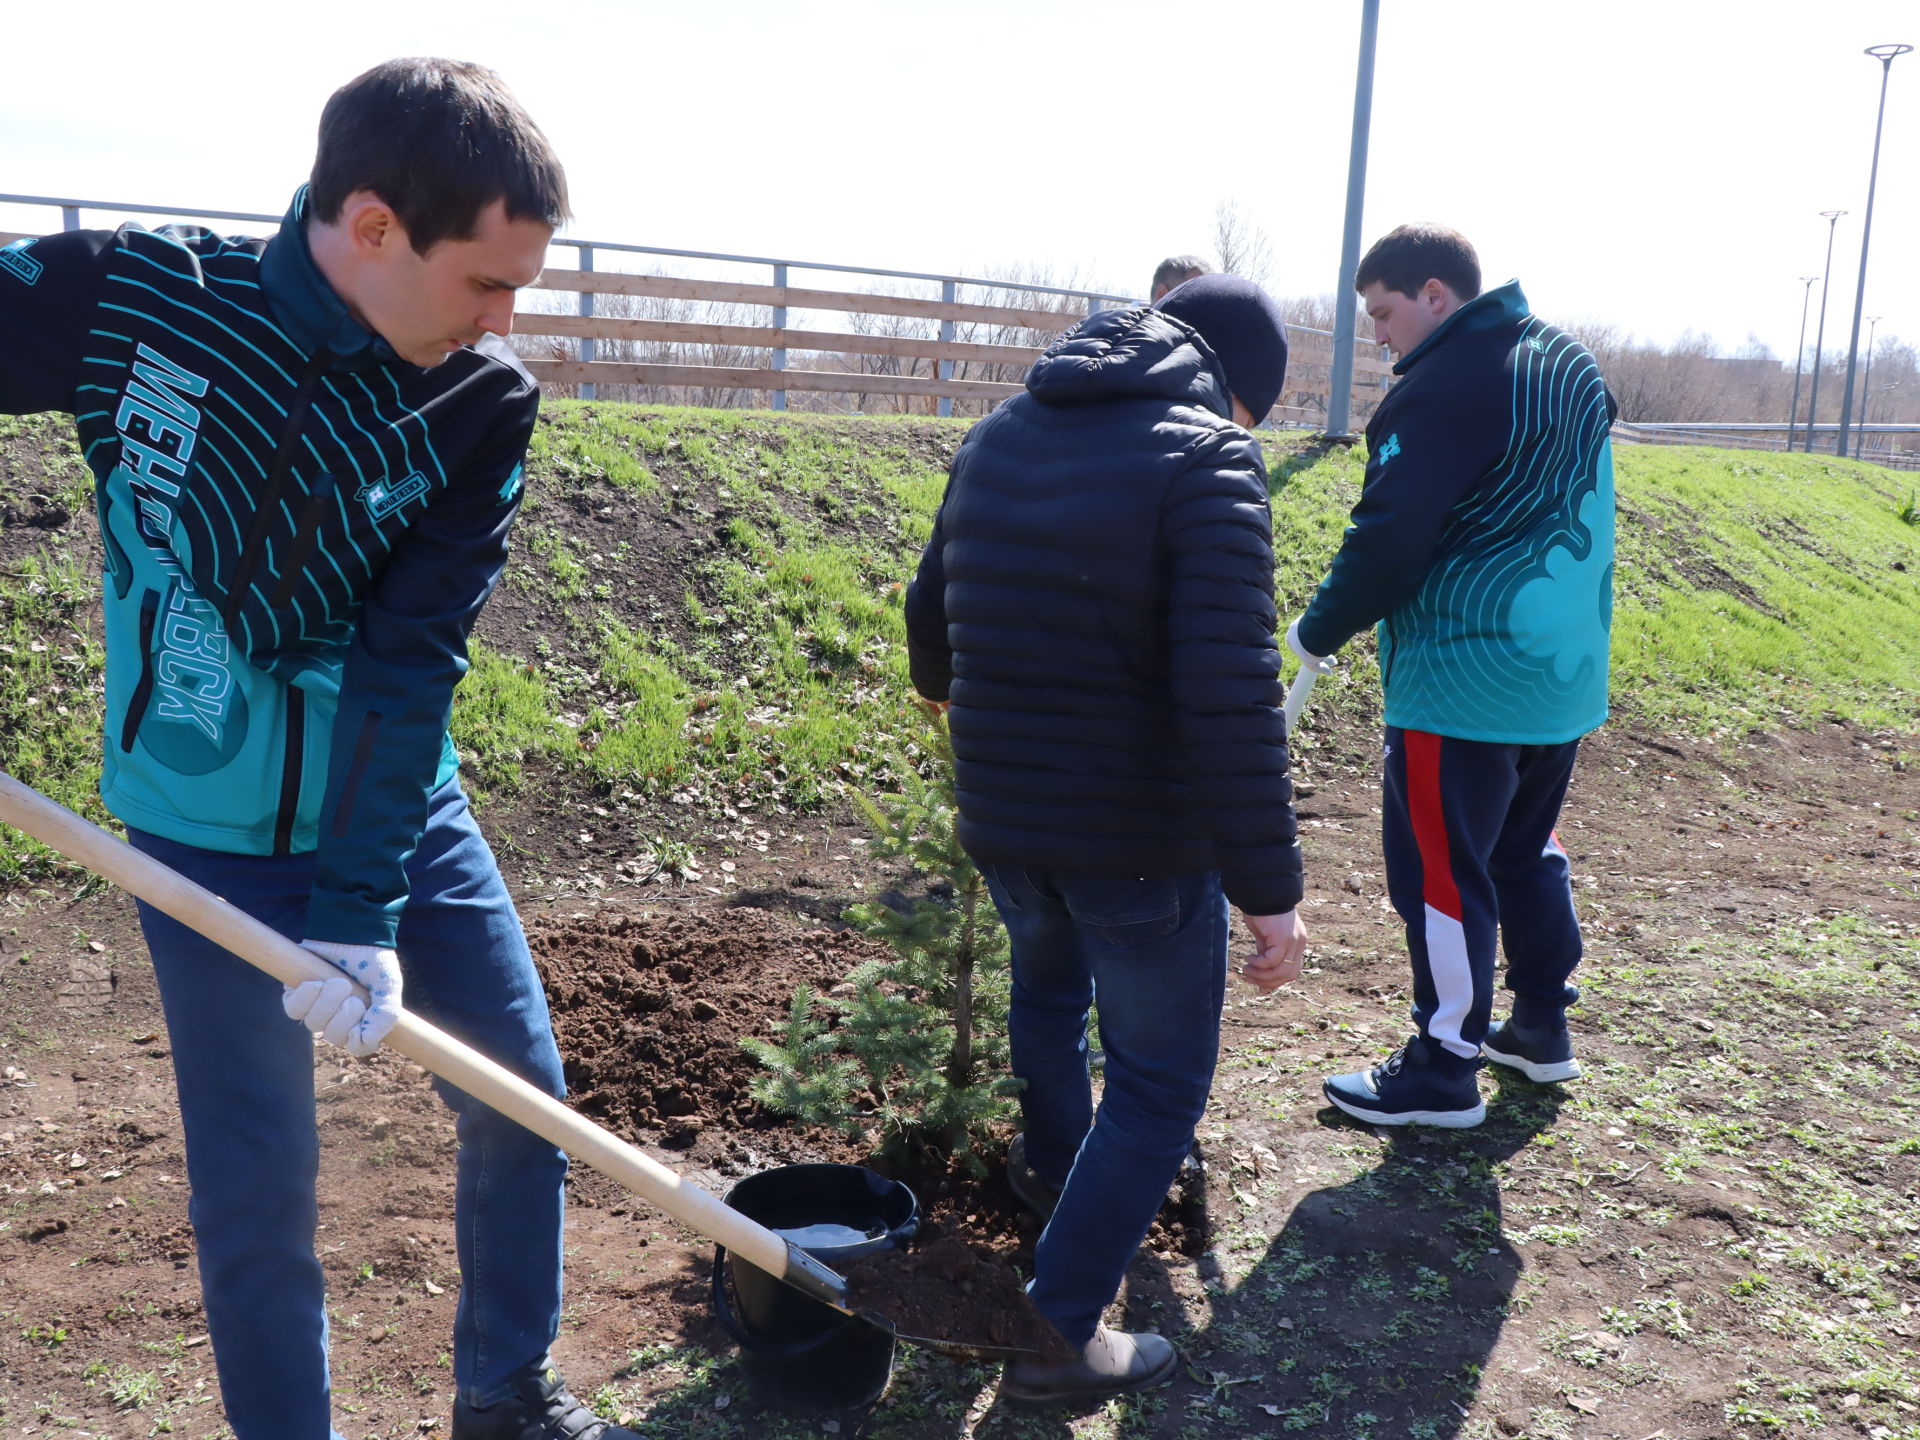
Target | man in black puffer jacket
(1095,611)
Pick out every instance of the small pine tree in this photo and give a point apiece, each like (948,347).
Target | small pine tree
(926,1030)
(806,1078)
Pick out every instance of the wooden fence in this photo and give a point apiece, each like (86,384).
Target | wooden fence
(936,370)
(943,369)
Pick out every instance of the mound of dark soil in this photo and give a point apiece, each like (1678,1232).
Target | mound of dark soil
(650,1010)
(953,1293)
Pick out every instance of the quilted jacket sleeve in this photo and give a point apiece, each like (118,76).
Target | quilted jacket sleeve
(1225,669)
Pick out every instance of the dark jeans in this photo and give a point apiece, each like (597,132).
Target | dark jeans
(1472,854)
(1153,950)
(245,1077)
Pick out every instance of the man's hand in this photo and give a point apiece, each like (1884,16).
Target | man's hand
(330,1008)
(932,707)
(1283,947)
(1320,664)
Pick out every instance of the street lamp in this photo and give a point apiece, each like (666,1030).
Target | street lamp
(1886,55)
(1832,217)
(1800,355)
(1866,384)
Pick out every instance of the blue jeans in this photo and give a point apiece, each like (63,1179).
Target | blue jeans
(1153,950)
(245,1078)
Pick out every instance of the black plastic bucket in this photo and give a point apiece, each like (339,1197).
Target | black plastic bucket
(794,1349)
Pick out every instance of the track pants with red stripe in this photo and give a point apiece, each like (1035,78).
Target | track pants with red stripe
(1473,861)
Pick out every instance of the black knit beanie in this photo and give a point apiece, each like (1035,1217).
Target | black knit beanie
(1243,327)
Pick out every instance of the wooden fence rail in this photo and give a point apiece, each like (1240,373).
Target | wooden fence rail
(955,364)
(948,358)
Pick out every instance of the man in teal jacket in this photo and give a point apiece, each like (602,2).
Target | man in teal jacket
(307,452)
(1482,546)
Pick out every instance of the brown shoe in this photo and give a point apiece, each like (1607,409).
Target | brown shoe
(1114,1362)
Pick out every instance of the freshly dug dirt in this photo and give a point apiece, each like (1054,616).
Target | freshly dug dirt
(649,1010)
(951,1292)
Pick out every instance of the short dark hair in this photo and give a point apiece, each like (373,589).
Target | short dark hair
(439,141)
(1178,269)
(1406,258)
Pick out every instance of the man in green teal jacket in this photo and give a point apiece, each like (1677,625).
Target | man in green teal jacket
(1482,547)
(308,456)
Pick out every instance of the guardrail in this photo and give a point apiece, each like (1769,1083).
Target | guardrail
(1018,321)
(1768,435)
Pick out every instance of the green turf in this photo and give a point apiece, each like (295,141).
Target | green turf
(1753,592)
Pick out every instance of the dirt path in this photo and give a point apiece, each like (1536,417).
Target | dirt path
(1712,1235)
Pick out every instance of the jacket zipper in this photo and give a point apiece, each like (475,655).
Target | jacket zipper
(277,481)
(143,689)
(291,764)
(306,533)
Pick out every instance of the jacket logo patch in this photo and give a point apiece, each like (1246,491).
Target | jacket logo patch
(512,486)
(387,497)
(14,259)
(1390,449)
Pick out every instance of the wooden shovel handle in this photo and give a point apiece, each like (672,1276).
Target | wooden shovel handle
(232,929)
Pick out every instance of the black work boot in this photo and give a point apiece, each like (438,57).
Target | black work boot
(541,1408)
(1038,1195)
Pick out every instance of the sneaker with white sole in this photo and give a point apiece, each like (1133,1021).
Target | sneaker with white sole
(1113,1362)
(1544,1054)
(1421,1083)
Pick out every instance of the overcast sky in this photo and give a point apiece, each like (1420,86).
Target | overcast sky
(1656,163)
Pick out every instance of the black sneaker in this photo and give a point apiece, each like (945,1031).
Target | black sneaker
(1419,1084)
(1028,1188)
(541,1408)
(1544,1054)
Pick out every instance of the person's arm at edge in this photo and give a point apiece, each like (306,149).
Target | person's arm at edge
(929,656)
(49,288)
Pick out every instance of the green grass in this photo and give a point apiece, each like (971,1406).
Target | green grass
(1754,592)
(50,694)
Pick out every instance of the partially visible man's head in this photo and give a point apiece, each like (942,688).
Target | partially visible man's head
(1412,279)
(1246,332)
(433,198)
(1174,271)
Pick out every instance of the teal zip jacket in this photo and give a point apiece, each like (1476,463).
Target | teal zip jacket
(300,530)
(1483,540)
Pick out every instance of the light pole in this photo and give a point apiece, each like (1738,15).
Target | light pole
(1866,385)
(1345,303)
(1832,217)
(1886,55)
(1799,355)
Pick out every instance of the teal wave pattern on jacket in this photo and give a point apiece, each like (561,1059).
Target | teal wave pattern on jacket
(1483,541)
(300,529)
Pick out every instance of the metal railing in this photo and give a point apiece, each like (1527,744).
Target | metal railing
(1773,435)
(582,372)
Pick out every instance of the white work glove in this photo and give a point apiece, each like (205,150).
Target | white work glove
(1319,664)
(330,1008)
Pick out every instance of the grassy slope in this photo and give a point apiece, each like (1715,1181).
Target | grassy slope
(760,658)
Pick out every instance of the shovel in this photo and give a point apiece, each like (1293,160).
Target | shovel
(460,1065)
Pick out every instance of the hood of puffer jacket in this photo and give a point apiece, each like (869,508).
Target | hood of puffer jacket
(1130,354)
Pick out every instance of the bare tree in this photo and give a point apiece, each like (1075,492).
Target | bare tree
(1241,245)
